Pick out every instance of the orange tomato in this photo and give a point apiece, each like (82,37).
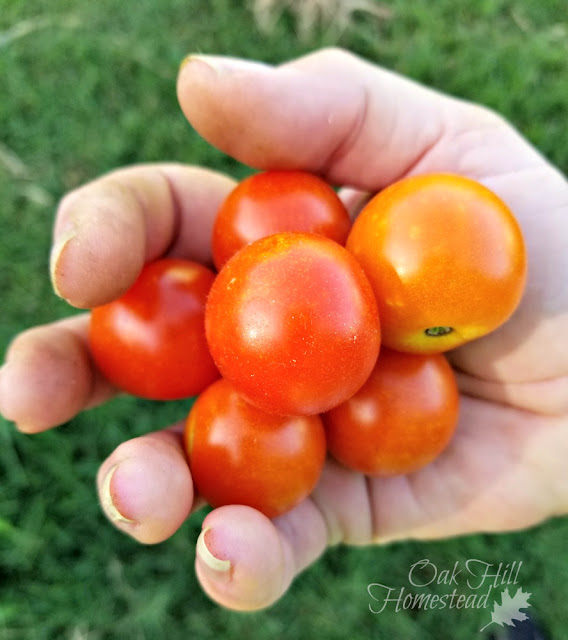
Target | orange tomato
(446,260)
(400,420)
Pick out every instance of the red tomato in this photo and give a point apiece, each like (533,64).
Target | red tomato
(400,420)
(291,320)
(151,341)
(239,454)
(276,201)
(446,260)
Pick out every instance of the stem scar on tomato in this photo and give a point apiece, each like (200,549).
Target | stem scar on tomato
(438,331)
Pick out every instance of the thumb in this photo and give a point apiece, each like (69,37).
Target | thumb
(246,562)
(330,113)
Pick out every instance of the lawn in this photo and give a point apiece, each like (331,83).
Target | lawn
(89,86)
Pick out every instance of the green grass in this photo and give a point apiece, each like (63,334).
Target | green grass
(87,87)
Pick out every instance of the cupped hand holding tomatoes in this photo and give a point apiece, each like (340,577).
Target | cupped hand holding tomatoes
(239,454)
(292,322)
(151,341)
(514,436)
(276,201)
(446,260)
(401,419)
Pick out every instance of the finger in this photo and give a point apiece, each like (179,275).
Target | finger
(106,230)
(246,562)
(145,486)
(334,114)
(49,377)
(548,396)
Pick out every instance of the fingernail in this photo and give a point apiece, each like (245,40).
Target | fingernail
(108,501)
(6,396)
(222,64)
(3,395)
(55,259)
(27,429)
(217,568)
(208,61)
(381,540)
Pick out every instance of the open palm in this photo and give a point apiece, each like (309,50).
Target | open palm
(361,127)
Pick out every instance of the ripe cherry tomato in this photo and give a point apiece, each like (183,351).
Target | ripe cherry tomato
(276,201)
(400,420)
(151,341)
(446,260)
(239,454)
(291,320)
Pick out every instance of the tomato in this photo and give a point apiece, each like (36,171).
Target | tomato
(151,341)
(276,201)
(446,260)
(400,420)
(291,320)
(239,454)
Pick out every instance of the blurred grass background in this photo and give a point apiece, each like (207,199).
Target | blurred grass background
(87,87)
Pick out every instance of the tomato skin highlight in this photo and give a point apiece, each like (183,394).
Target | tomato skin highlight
(446,260)
(151,341)
(275,201)
(402,418)
(239,454)
(292,322)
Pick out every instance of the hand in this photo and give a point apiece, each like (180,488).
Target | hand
(357,125)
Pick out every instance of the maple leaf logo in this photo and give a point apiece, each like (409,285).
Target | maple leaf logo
(510,609)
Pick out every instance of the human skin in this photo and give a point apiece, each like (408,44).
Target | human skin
(358,125)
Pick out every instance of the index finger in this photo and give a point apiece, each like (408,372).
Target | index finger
(106,230)
(342,117)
